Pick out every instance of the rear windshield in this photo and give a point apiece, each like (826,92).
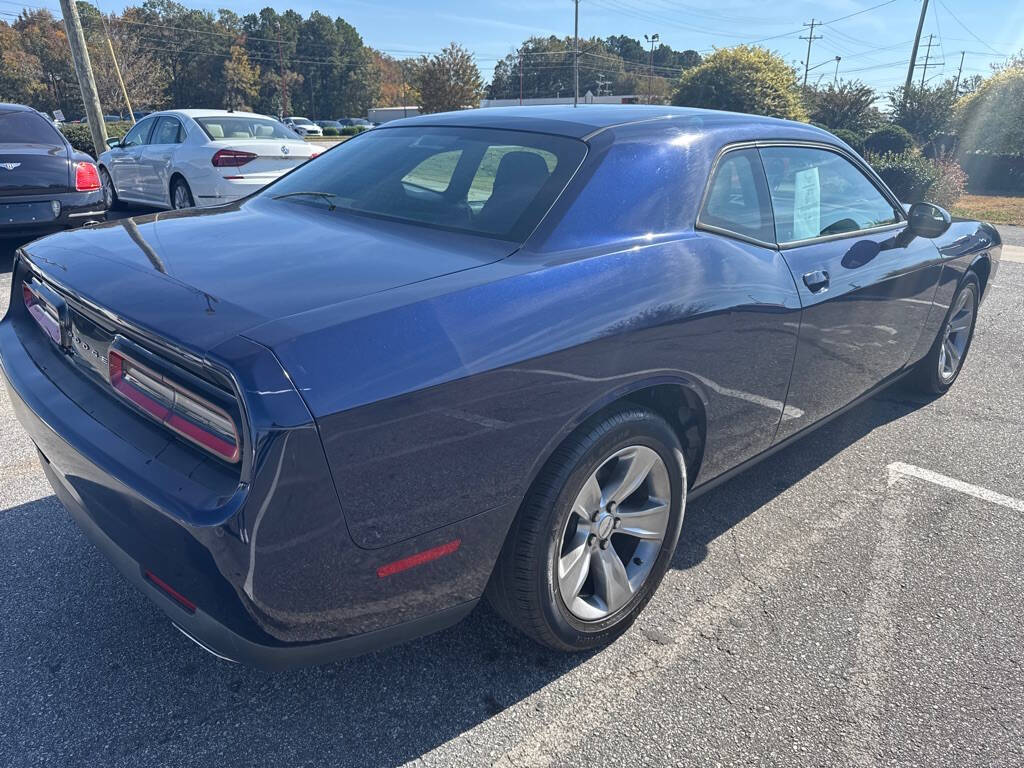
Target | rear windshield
(241,128)
(494,183)
(27,128)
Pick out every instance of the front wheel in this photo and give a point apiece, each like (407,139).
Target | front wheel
(109,192)
(596,534)
(939,369)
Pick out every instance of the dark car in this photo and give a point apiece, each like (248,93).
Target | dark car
(329,124)
(492,351)
(351,121)
(45,184)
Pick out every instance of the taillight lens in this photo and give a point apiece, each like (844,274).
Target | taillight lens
(184,412)
(314,154)
(87,177)
(44,315)
(232,158)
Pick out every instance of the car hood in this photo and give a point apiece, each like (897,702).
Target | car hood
(201,277)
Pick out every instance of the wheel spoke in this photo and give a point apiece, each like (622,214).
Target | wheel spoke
(633,469)
(573,568)
(952,353)
(611,584)
(648,522)
(589,499)
(961,323)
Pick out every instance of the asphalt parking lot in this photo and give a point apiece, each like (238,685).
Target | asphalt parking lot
(857,599)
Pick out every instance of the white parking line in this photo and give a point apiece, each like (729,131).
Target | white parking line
(898,469)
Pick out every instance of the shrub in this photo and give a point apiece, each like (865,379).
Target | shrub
(744,78)
(852,138)
(994,174)
(352,130)
(992,118)
(908,174)
(950,182)
(890,140)
(80,137)
(331,131)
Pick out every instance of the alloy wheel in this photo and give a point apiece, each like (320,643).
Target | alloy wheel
(107,185)
(614,533)
(181,197)
(956,336)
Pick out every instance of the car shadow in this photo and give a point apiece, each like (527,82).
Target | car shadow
(91,668)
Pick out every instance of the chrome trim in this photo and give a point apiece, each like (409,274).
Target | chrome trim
(841,235)
(86,213)
(206,648)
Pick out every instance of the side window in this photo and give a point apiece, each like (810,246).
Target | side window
(434,173)
(816,193)
(737,200)
(168,131)
(138,135)
(482,188)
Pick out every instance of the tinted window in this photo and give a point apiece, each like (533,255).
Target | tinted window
(737,200)
(168,131)
(27,128)
(139,134)
(817,193)
(241,128)
(487,182)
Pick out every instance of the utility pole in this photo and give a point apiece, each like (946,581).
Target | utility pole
(83,68)
(959,71)
(811,37)
(913,52)
(835,79)
(117,69)
(520,77)
(927,56)
(576,56)
(650,79)
(284,78)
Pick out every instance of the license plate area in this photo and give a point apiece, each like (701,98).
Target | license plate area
(26,213)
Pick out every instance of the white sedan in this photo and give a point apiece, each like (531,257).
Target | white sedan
(192,157)
(303,126)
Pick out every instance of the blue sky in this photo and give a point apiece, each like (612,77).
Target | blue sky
(874,44)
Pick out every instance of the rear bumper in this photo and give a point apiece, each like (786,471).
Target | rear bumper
(76,208)
(137,538)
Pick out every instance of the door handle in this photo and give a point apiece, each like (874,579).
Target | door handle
(817,280)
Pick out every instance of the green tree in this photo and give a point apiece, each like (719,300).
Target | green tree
(742,79)
(925,112)
(448,80)
(846,106)
(991,119)
(241,80)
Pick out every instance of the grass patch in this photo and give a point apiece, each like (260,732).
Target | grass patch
(992,208)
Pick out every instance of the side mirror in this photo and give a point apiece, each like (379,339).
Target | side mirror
(113,142)
(927,220)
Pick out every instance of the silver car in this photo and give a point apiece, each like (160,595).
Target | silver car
(195,157)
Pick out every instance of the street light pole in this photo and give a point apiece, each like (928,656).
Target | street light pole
(576,56)
(650,78)
(836,78)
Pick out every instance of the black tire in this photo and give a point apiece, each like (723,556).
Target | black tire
(109,191)
(180,187)
(926,377)
(523,588)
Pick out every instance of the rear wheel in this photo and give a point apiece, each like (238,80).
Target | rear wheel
(109,193)
(596,534)
(937,372)
(181,195)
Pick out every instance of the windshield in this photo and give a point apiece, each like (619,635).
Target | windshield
(494,183)
(235,127)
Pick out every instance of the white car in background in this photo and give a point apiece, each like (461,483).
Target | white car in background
(303,126)
(198,157)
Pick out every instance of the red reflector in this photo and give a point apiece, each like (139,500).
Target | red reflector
(42,313)
(232,158)
(170,591)
(87,178)
(315,154)
(418,559)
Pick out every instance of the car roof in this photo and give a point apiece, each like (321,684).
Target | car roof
(587,119)
(194,113)
(15,108)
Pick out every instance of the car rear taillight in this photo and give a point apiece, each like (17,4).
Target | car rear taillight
(232,158)
(314,154)
(173,405)
(87,178)
(41,311)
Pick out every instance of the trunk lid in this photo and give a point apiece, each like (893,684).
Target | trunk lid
(30,169)
(273,157)
(198,278)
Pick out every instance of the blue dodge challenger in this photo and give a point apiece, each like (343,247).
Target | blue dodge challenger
(490,352)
